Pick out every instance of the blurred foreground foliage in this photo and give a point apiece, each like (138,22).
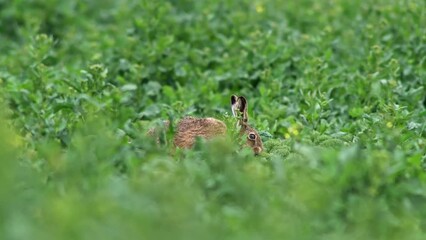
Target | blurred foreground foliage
(335,87)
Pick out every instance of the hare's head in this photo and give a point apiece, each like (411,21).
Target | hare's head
(239,108)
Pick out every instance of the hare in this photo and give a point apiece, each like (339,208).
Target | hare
(189,128)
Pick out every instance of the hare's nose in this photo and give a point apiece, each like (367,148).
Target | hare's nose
(257,150)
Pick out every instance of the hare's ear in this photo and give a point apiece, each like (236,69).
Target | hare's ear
(243,108)
(234,105)
(239,107)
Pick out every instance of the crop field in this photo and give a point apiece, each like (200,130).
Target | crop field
(335,88)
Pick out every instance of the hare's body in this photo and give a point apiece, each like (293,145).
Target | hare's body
(189,128)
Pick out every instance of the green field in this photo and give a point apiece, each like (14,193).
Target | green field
(336,89)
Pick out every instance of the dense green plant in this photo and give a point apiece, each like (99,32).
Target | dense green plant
(335,88)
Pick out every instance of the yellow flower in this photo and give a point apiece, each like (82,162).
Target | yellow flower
(389,124)
(294,130)
(286,136)
(260,8)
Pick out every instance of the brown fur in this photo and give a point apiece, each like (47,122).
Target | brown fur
(189,128)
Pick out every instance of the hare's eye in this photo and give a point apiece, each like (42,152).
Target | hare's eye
(252,136)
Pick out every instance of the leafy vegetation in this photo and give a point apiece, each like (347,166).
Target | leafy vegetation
(335,87)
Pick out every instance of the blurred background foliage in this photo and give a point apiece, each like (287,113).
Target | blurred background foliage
(335,87)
